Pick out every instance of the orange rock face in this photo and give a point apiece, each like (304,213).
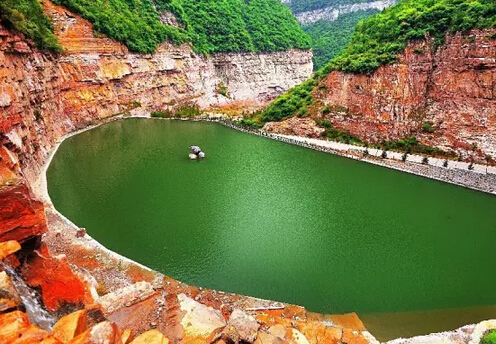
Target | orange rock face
(451,87)
(58,284)
(21,218)
(70,326)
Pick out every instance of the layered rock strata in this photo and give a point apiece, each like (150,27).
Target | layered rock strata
(452,88)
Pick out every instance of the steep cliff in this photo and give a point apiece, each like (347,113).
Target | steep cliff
(452,88)
(443,96)
(332,10)
(44,96)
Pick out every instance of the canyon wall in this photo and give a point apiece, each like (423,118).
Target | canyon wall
(333,12)
(452,88)
(44,96)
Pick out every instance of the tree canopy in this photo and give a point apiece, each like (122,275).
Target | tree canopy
(211,25)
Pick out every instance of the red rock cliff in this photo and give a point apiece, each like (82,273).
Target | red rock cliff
(452,87)
(44,96)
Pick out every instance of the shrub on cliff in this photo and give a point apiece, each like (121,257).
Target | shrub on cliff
(26,16)
(489,338)
(290,103)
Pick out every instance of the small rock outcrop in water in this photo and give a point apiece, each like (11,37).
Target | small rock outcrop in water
(196,153)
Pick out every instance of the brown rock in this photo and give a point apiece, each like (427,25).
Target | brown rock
(353,337)
(240,328)
(9,298)
(31,335)
(59,285)
(8,247)
(70,326)
(452,87)
(150,337)
(295,126)
(11,325)
(21,218)
(50,340)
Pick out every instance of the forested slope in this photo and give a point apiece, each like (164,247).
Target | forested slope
(330,23)
(211,25)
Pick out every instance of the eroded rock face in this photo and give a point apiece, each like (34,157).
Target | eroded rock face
(451,87)
(295,126)
(332,13)
(59,286)
(21,217)
(44,96)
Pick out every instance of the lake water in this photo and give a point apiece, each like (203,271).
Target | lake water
(276,221)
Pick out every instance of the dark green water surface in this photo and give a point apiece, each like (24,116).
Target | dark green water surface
(271,220)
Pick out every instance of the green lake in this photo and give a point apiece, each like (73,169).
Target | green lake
(281,222)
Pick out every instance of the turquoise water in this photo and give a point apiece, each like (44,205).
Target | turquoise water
(268,219)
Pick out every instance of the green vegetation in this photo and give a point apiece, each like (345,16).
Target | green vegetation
(309,5)
(489,338)
(240,25)
(379,39)
(286,105)
(222,89)
(329,38)
(411,146)
(211,25)
(427,127)
(338,135)
(136,23)
(26,16)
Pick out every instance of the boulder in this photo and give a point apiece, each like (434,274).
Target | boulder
(57,282)
(241,327)
(126,296)
(70,326)
(199,321)
(32,335)
(151,337)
